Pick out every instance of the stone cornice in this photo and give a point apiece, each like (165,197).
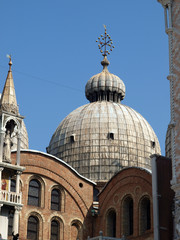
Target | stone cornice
(165,3)
(12,166)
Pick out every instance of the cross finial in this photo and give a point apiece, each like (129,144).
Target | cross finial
(10,62)
(105,42)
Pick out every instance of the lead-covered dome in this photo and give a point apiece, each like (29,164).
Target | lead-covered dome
(105,86)
(100,138)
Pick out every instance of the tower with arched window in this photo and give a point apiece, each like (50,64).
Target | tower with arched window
(12,130)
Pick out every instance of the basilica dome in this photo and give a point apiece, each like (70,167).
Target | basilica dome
(102,137)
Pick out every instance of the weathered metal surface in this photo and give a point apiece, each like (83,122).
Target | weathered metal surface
(96,155)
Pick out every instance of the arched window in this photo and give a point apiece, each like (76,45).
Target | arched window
(55,199)
(111,223)
(128,216)
(55,232)
(33,228)
(13,185)
(145,215)
(34,193)
(76,230)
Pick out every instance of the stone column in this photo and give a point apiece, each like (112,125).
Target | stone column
(16,219)
(2,132)
(18,181)
(18,149)
(1,169)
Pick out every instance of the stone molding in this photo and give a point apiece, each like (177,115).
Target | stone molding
(165,3)
(18,208)
(10,108)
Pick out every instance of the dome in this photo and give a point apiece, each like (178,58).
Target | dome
(105,86)
(100,138)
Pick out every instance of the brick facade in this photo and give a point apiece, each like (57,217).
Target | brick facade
(133,182)
(75,217)
(176,73)
(76,199)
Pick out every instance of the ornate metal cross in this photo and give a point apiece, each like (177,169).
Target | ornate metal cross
(105,42)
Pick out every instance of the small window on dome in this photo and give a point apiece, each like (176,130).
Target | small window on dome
(111,136)
(153,144)
(72,138)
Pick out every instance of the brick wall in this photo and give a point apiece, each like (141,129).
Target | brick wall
(176,72)
(77,198)
(133,182)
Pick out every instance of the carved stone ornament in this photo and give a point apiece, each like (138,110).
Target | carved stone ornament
(165,2)
(7,148)
(11,108)
(18,208)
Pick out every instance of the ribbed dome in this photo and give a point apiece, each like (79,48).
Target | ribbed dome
(100,138)
(105,86)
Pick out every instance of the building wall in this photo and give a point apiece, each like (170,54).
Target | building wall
(133,182)
(77,197)
(75,217)
(172,26)
(176,73)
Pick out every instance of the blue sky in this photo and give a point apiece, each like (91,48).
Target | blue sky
(54,53)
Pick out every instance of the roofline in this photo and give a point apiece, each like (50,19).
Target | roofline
(125,168)
(58,159)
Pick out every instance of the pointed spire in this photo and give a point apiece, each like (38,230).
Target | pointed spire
(8,100)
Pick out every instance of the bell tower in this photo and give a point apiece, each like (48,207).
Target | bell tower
(10,128)
(10,120)
(172,28)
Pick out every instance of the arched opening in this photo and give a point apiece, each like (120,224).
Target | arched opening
(34,193)
(127,216)
(33,228)
(76,230)
(111,223)
(111,135)
(55,199)
(55,230)
(10,125)
(145,215)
